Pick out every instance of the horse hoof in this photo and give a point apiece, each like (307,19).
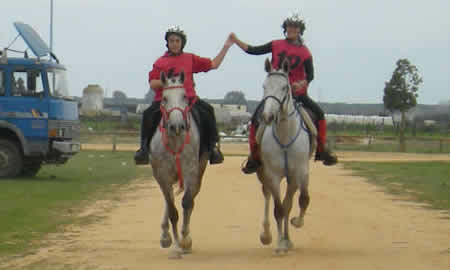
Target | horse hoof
(281,250)
(186,243)
(289,244)
(297,222)
(166,241)
(175,255)
(187,250)
(266,238)
(284,246)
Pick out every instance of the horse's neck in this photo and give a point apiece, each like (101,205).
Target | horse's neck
(287,126)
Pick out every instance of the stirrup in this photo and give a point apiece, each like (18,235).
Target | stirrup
(327,158)
(142,157)
(251,166)
(216,157)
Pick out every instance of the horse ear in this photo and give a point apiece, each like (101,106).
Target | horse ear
(268,65)
(163,78)
(182,76)
(285,66)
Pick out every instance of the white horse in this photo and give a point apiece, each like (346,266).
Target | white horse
(175,159)
(285,151)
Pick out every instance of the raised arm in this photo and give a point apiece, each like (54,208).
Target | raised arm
(254,50)
(219,58)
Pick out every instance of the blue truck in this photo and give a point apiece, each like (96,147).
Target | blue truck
(38,119)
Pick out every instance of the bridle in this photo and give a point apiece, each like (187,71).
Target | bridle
(163,128)
(286,88)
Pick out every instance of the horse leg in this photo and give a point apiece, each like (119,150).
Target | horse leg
(172,212)
(303,202)
(266,236)
(278,213)
(287,206)
(166,239)
(188,206)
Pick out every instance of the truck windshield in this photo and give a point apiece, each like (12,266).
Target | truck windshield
(57,80)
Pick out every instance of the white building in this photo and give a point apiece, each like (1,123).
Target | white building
(92,100)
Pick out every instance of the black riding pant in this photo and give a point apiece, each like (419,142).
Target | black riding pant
(150,120)
(312,105)
(207,123)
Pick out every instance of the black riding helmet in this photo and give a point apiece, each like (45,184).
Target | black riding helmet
(177,31)
(295,21)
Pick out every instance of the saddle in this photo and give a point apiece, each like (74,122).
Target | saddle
(204,140)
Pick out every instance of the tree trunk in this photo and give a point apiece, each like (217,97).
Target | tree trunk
(402,143)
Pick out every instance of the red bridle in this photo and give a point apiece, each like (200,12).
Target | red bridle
(162,127)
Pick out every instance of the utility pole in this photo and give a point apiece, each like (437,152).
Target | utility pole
(51,26)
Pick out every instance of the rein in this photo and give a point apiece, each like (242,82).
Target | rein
(285,147)
(163,128)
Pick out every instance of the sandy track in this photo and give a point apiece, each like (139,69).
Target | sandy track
(350,225)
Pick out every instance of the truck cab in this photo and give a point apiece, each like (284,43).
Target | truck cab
(38,118)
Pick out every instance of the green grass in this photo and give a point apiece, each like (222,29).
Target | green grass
(383,144)
(425,182)
(30,208)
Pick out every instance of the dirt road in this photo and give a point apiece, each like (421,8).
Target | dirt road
(350,225)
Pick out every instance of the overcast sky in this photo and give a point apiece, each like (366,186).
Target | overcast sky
(354,43)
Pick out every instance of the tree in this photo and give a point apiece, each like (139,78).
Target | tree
(235,97)
(149,96)
(400,93)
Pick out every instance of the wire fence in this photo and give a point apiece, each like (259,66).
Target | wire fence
(130,140)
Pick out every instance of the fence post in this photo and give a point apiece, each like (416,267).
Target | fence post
(441,146)
(114,141)
(369,143)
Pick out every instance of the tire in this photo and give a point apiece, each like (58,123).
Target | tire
(30,170)
(11,159)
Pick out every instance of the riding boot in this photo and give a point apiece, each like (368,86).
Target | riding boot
(215,156)
(251,166)
(142,155)
(253,161)
(326,156)
(323,153)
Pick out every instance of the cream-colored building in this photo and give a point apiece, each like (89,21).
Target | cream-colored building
(92,100)
(228,113)
(231,107)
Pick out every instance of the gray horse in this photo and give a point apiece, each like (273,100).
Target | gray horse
(285,151)
(176,160)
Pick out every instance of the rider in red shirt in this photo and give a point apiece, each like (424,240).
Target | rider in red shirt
(300,75)
(173,62)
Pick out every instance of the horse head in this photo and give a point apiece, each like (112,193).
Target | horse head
(174,104)
(277,91)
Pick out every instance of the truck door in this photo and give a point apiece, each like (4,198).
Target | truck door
(28,106)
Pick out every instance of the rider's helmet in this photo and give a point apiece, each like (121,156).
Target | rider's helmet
(177,31)
(294,20)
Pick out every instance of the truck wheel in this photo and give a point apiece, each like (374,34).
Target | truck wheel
(30,170)
(11,161)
